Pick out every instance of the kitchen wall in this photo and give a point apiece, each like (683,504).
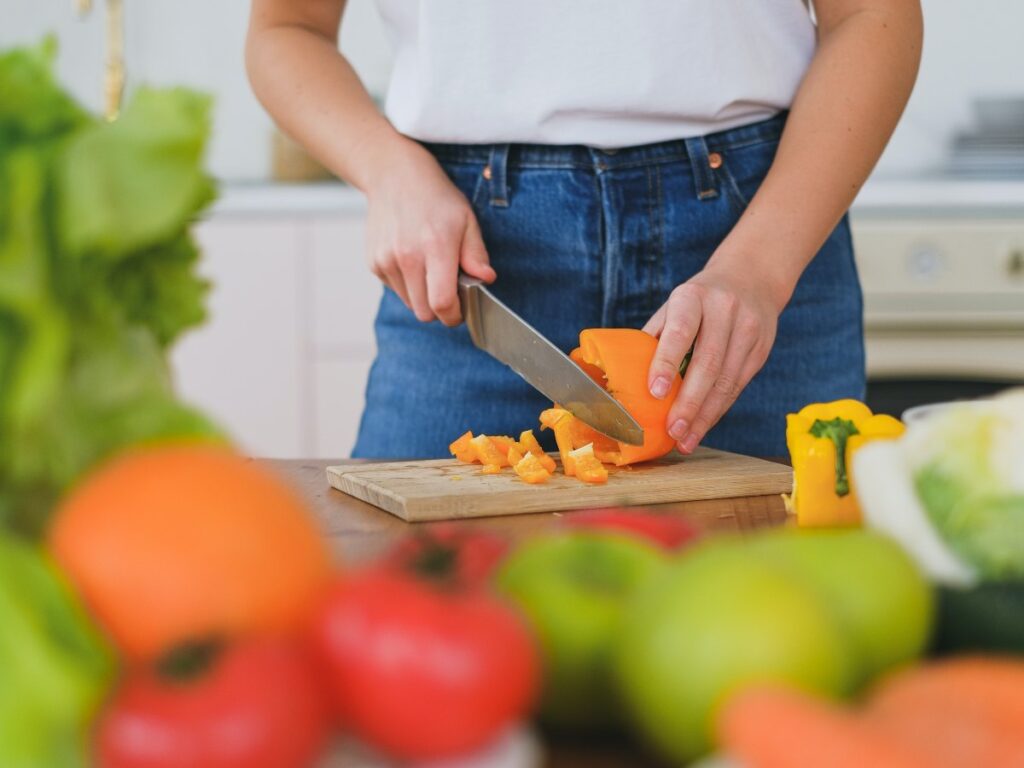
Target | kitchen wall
(972,49)
(188,42)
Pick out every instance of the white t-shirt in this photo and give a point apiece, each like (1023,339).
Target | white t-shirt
(605,73)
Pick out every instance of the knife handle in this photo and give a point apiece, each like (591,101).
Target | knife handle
(469,299)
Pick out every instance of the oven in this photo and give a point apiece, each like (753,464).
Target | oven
(942,267)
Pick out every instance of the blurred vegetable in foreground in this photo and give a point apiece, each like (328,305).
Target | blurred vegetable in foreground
(951,491)
(966,712)
(421,666)
(257,704)
(54,668)
(468,556)
(669,531)
(822,611)
(572,586)
(180,543)
(97,277)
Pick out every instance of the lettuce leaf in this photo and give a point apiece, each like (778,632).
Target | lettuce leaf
(97,278)
(132,184)
(56,667)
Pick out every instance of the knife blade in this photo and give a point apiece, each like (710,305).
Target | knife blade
(505,336)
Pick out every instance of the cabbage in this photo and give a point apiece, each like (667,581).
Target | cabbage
(968,470)
(952,490)
(97,277)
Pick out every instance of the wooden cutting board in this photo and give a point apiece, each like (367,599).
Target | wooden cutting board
(442,489)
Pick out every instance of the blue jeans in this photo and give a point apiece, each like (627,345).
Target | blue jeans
(585,238)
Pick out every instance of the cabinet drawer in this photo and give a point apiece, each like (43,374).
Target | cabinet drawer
(344,292)
(339,386)
(245,366)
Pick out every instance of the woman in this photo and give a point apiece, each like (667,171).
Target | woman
(683,166)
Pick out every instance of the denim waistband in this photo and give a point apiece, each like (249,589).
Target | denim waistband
(579,156)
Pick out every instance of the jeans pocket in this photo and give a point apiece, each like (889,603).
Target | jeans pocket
(743,170)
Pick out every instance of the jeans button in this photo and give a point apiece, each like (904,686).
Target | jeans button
(715,160)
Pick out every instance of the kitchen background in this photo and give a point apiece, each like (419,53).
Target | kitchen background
(939,228)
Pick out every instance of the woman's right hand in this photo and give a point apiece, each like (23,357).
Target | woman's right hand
(421,230)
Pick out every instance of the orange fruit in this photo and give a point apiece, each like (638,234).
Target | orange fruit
(185,542)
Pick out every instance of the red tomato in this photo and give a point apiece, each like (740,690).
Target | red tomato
(420,671)
(466,555)
(665,529)
(259,705)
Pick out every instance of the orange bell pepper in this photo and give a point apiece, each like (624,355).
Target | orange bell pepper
(618,359)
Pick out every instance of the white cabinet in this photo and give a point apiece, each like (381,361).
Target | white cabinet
(282,360)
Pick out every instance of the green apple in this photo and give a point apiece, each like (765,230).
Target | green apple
(717,620)
(572,587)
(870,585)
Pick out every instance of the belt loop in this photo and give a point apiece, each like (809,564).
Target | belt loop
(703,178)
(496,173)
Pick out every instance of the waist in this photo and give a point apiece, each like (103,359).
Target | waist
(577,156)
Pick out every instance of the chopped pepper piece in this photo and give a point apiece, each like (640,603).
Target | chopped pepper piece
(560,421)
(488,455)
(587,466)
(502,443)
(529,467)
(821,439)
(463,450)
(528,444)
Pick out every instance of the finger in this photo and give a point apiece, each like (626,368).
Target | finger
(473,256)
(726,388)
(709,354)
(413,273)
(393,280)
(442,283)
(682,321)
(657,322)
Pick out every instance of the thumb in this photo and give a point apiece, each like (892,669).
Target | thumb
(473,256)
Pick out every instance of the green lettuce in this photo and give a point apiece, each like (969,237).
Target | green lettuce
(97,278)
(54,666)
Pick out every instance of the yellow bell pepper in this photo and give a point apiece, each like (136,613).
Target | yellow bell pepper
(821,439)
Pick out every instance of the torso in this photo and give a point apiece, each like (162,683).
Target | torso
(603,73)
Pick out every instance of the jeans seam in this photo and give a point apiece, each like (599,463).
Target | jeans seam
(739,200)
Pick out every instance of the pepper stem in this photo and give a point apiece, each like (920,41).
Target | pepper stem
(838,431)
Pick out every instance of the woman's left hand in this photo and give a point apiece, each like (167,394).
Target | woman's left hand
(728,315)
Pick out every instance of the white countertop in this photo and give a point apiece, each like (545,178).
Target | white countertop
(919,195)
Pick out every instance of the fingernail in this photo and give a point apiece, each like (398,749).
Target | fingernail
(678,430)
(690,443)
(660,387)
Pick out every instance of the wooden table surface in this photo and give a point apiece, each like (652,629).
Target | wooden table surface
(358,532)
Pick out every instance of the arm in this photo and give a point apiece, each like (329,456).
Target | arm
(842,117)
(420,228)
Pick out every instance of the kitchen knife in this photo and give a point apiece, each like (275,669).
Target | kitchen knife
(504,335)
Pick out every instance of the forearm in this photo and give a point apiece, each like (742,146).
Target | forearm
(844,113)
(314,94)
